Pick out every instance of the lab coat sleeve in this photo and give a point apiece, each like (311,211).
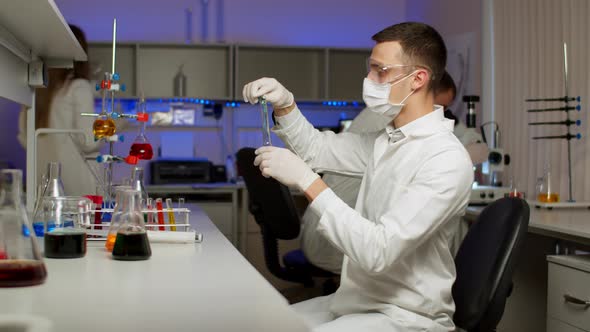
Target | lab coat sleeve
(438,192)
(83,101)
(344,153)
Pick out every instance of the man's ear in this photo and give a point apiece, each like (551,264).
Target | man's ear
(421,79)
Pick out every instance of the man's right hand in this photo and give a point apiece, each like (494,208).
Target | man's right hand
(274,92)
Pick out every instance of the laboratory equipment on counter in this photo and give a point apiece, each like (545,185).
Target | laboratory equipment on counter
(21,263)
(141,147)
(116,217)
(51,186)
(470,100)
(546,193)
(67,219)
(180,171)
(131,242)
(180,83)
(545,187)
(171,219)
(484,195)
(265,124)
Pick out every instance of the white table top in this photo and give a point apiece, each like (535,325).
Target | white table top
(204,286)
(567,224)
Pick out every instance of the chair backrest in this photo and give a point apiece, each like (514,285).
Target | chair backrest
(270,202)
(485,264)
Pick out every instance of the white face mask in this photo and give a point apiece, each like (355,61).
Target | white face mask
(376,97)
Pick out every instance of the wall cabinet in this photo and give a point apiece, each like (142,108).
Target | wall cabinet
(219,71)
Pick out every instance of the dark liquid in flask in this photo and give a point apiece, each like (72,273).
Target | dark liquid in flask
(65,245)
(21,272)
(132,247)
(142,151)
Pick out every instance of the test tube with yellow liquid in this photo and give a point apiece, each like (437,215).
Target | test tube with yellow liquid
(171,219)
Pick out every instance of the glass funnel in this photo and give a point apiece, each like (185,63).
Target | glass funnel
(116,217)
(67,219)
(21,263)
(132,243)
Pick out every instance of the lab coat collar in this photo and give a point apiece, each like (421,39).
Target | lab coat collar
(428,124)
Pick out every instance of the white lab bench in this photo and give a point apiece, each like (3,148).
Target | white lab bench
(540,276)
(204,286)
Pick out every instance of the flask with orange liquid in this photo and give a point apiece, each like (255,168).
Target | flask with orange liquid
(546,189)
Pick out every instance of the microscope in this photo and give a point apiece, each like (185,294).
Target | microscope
(495,163)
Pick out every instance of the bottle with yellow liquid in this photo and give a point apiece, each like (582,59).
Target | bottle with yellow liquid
(103,126)
(116,218)
(546,192)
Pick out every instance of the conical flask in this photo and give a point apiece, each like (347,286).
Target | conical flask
(115,218)
(132,243)
(21,263)
(51,186)
(137,182)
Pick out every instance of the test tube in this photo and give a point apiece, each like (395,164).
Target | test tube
(171,220)
(265,124)
(160,213)
(180,206)
(150,216)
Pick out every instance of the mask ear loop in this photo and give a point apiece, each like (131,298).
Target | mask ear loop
(411,92)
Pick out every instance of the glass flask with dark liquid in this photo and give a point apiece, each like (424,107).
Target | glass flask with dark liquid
(131,243)
(66,219)
(21,263)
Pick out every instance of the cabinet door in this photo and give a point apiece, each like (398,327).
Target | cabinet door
(207,69)
(301,70)
(100,56)
(554,325)
(347,69)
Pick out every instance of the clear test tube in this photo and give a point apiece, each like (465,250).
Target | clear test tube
(180,206)
(265,123)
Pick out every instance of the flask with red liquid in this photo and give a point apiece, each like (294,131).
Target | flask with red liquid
(21,263)
(141,147)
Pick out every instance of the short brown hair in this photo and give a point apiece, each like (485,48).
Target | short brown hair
(421,43)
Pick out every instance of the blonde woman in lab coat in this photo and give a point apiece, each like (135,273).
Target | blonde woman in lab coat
(58,107)
(398,269)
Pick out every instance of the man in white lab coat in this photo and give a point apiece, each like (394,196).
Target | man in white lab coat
(398,269)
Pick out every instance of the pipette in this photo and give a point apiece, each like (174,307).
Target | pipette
(171,220)
(265,124)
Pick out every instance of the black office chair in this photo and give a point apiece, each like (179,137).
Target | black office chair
(272,206)
(486,262)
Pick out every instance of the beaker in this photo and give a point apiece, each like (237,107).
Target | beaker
(67,219)
(115,218)
(132,243)
(546,188)
(21,263)
(103,126)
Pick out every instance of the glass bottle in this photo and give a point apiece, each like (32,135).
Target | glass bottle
(103,126)
(21,263)
(132,243)
(115,218)
(141,147)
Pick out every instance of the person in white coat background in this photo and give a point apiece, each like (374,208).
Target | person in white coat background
(398,269)
(68,94)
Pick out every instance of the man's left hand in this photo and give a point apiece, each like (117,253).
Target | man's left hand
(284,166)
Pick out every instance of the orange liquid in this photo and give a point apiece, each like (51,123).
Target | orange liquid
(110,243)
(548,198)
(103,128)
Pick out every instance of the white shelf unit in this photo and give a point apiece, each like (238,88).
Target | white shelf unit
(31,30)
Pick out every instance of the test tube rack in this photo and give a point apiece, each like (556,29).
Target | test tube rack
(567,100)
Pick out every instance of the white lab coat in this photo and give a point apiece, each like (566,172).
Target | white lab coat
(65,109)
(398,269)
(317,249)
